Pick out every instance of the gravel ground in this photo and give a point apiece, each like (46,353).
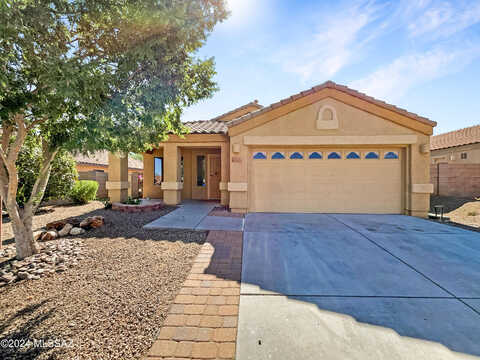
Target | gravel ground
(464,212)
(112,305)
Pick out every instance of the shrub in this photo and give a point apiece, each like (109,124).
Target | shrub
(132,201)
(62,176)
(84,191)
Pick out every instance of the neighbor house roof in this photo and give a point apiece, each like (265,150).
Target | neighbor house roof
(206,127)
(101,158)
(215,125)
(469,135)
(329,85)
(253,103)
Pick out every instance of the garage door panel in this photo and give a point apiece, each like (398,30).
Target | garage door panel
(327,185)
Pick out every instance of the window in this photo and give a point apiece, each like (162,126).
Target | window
(353,155)
(372,155)
(296,155)
(278,155)
(315,155)
(201,170)
(260,155)
(158,171)
(334,155)
(463,156)
(391,155)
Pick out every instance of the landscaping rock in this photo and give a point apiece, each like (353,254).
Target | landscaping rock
(65,230)
(38,234)
(77,231)
(49,235)
(8,277)
(22,275)
(92,222)
(56,225)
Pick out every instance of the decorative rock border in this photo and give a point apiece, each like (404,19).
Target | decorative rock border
(137,208)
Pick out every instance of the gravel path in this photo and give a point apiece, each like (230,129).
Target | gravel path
(112,305)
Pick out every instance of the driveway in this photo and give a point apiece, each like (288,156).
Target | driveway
(328,286)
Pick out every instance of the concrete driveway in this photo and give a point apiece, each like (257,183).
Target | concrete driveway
(325,286)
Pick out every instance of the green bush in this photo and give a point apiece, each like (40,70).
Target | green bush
(84,191)
(62,176)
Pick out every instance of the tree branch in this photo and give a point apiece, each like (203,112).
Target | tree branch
(42,180)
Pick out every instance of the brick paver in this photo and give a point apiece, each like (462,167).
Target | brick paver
(202,321)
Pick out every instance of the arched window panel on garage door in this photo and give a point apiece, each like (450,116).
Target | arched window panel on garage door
(353,155)
(391,155)
(296,155)
(260,155)
(278,155)
(315,155)
(334,155)
(372,155)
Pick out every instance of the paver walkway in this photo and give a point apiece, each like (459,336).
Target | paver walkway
(202,322)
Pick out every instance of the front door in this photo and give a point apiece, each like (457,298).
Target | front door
(214,170)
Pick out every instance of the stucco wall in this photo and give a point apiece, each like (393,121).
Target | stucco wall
(453,155)
(352,122)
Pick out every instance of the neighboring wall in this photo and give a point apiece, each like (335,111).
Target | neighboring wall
(461,180)
(104,168)
(100,177)
(453,154)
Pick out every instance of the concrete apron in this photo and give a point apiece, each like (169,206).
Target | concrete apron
(317,287)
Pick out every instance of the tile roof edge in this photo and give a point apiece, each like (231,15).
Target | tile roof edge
(332,85)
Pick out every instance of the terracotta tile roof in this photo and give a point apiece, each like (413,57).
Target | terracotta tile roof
(206,127)
(330,85)
(252,103)
(101,158)
(469,135)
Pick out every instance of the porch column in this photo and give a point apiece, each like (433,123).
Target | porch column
(171,185)
(225,162)
(117,184)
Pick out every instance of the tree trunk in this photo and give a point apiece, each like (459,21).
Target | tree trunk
(23,231)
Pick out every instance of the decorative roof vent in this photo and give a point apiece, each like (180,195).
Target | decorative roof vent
(327,118)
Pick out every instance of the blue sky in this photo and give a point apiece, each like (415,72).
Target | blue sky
(421,55)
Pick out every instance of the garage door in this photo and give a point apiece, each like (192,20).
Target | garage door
(330,181)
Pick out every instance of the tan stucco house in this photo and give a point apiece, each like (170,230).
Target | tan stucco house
(457,147)
(328,149)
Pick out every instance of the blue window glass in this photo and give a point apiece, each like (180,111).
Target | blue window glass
(259,155)
(353,155)
(296,155)
(334,155)
(315,155)
(391,155)
(278,155)
(371,155)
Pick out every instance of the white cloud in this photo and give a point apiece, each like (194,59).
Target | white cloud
(392,81)
(332,45)
(444,18)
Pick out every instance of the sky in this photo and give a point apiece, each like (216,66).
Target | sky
(421,55)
